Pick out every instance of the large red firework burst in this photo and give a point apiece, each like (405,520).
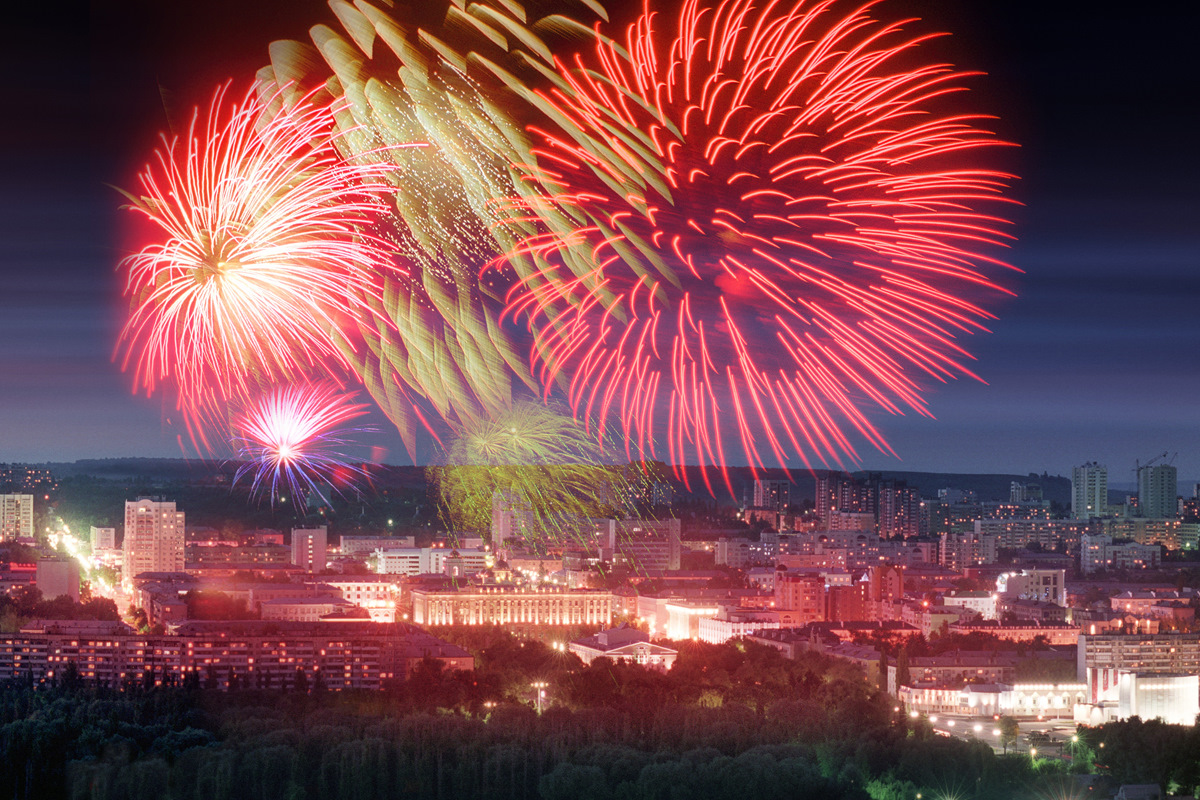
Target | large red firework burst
(767,217)
(266,252)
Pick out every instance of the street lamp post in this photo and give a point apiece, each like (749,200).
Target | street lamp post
(539,688)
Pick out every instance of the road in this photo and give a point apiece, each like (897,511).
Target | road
(1058,732)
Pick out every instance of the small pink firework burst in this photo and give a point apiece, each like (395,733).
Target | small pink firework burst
(292,438)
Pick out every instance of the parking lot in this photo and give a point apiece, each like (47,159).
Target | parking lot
(1044,738)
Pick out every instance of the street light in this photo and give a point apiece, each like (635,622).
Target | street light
(978,727)
(540,697)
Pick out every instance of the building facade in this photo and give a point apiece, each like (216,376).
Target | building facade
(624,644)
(1157,491)
(1047,585)
(1173,534)
(103,538)
(58,577)
(16,516)
(264,654)
(1089,491)
(1100,553)
(153,538)
(309,548)
(961,550)
(492,605)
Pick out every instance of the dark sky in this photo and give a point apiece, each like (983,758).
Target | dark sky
(1096,358)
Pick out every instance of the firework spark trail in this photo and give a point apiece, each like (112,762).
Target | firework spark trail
(536,462)
(400,79)
(783,223)
(267,258)
(292,438)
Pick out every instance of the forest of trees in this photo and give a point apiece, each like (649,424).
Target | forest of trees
(731,721)
(26,602)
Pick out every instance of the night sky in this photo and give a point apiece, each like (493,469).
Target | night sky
(1095,359)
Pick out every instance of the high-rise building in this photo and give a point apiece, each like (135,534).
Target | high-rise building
(1024,493)
(895,505)
(771,494)
(16,516)
(898,508)
(1157,489)
(839,491)
(1089,491)
(309,548)
(645,544)
(153,538)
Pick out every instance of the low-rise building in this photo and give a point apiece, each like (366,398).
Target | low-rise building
(982,603)
(361,655)
(58,577)
(378,594)
(1038,611)
(1101,552)
(1049,585)
(305,609)
(733,623)
(431,560)
(931,619)
(1020,700)
(624,644)
(1144,602)
(1061,634)
(502,605)
(366,545)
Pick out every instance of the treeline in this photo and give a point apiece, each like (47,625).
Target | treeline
(178,743)
(733,721)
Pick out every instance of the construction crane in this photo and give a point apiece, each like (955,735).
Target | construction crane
(1137,466)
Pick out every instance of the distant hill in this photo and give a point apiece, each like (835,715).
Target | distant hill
(986,486)
(1055,488)
(158,469)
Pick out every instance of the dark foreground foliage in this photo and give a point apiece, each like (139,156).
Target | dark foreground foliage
(734,723)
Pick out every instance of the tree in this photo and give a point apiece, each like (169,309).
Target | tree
(1010,730)
(883,670)
(301,683)
(902,675)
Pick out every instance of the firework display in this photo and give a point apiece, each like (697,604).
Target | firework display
(266,262)
(734,236)
(431,77)
(292,438)
(779,218)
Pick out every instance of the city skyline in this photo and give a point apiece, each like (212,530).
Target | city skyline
(1092,361)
